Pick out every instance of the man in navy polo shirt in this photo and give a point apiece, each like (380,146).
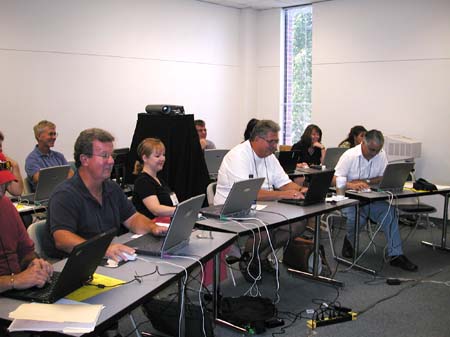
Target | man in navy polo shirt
(91,203)
(42,156)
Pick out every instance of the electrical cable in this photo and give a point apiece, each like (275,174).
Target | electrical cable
(416,283)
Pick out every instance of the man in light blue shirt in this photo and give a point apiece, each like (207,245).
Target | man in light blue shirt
(42,156)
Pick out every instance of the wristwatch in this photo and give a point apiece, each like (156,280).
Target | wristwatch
(368,181)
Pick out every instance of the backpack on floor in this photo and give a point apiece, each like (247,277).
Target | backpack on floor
(299,255)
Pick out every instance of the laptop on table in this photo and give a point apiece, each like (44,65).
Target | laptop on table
(213,159)
(317,190)
(49,178)
(178,233)
(332,156)
(239,201)
(79,268)
(394,177)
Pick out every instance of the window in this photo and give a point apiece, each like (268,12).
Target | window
(298,72)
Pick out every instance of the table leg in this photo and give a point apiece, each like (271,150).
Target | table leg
(182,307)
(443,245)
(353,263)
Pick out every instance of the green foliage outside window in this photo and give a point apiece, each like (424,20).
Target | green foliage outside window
(298,72)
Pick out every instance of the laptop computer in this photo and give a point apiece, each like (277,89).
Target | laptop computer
(79,268)
(178,233)
(239,201)
(213,159)
(317,189)
(332,156)
(394,177)
(288,160)
(49,178)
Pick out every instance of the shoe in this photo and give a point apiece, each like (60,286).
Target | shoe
(268,267)
(347,249)
(403,262)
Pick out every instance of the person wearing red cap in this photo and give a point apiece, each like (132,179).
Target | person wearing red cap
(15,186)
(20,267)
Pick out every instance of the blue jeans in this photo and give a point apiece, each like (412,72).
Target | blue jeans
(376,211)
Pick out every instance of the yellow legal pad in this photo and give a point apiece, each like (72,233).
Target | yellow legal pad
(89,291)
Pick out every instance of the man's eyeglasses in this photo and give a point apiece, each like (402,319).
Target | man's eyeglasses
(53,134)
(105,156)
(271,141)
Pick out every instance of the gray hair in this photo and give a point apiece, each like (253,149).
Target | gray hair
(39,127)
(374,136)
(83,144)
(263,127)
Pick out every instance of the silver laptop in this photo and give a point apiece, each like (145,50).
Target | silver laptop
(213,159)
(178,233)
(394,177)
(49,178)
(239,201)
(332,156)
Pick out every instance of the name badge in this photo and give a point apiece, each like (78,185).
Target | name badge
(174,198)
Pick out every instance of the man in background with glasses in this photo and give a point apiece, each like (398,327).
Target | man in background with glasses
(255,158)
(42,156)
(364,165)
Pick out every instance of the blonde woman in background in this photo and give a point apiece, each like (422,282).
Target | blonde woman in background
(152,196)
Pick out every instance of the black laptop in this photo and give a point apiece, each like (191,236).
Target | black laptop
(288,160)
(239,201)
(317,189)
(178,233)
(49,178)
(79,268)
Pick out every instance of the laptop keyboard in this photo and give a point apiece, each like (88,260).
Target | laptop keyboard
(45,291)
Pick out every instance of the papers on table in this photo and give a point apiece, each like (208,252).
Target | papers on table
(70,318)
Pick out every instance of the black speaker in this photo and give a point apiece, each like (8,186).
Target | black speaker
(164,317)
(164,109)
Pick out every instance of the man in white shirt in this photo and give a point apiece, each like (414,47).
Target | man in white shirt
(364,165)
(255,158)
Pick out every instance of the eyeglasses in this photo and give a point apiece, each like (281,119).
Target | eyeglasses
(53,134)
(105,156)
(271,141)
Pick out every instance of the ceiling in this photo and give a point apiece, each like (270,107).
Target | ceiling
(260,4)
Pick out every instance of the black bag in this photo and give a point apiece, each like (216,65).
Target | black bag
(299,255)
(164,316)
(247,311)
(424,185)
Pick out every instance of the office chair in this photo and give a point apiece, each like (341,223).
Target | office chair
(37,232)
(210,192)
(414,208)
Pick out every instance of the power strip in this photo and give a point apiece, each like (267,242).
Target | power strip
(339,315)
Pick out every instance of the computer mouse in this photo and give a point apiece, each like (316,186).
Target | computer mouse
(130,257)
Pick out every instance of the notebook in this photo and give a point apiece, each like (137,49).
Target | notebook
(178,233)
(49,178)
(394,177)
(79,268)
(332,156)
(213,159)
(239,201)
(288,160)
(317,189)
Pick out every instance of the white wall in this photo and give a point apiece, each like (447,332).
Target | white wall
(269,61)
(386,65)
(98,63)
